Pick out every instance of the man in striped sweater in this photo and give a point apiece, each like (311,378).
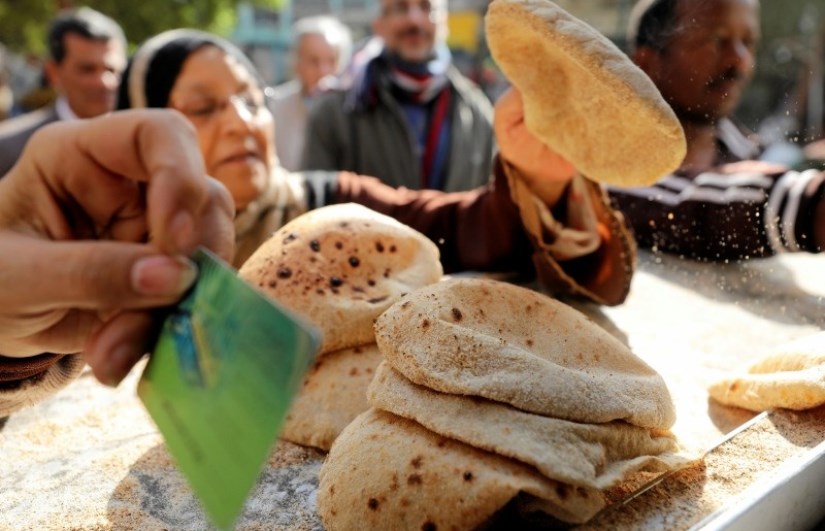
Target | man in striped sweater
(723,203)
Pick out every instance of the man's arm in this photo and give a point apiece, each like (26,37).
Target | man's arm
(475,230)
(738,212)
(578,247)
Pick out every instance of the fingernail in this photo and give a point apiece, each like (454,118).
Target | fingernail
(182,228)
(163,275)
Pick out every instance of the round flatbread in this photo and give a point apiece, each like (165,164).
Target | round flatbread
(334,393)
(340,267)
(792,378)
(506,343)
(596,456)
(386,472)
(583,97)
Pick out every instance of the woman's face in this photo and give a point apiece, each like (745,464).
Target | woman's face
(235,129)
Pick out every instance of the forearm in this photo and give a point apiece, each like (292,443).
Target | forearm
(580,247)
(690,225)
(728,216)
(474,230)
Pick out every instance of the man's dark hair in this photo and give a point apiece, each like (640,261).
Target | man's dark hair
(652,22)
(87,23)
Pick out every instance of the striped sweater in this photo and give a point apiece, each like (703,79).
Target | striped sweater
(742,209)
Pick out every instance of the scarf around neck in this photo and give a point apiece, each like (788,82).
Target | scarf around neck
(374,64)
(421,82)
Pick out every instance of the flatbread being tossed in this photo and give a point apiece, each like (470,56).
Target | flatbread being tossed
(333,394)
(580,89)
(792,378)
(341,266)
(386,472)
(513,345)
(585,455)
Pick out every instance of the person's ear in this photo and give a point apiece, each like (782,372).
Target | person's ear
(51,69)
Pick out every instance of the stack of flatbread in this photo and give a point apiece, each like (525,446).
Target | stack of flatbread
(792,377)
(491,394)
(340,267)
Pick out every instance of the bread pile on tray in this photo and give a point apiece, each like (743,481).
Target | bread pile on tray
(491,394)
(340,267)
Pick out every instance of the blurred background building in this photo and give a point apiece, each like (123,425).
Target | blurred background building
(786,98)
(265,32)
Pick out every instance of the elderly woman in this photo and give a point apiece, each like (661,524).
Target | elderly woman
(534,208)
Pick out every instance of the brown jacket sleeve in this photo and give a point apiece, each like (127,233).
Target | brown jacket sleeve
(499,228)
(24,381)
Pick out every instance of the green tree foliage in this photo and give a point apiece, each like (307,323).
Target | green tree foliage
(24,23)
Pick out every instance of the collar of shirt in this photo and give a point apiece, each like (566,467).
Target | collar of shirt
(63,110)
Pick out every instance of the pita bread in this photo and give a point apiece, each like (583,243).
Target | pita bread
(587,455)
(386,472)
(791,378)
(580,90)
(334,393)
(509,344)
(340,267)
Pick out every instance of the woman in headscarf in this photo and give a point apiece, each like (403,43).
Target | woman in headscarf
(536,207)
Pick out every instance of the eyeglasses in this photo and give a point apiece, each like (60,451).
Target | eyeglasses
(403,9)
(206,109)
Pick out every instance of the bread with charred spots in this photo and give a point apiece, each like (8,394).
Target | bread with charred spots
(340,267)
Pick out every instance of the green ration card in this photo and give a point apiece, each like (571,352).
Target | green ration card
(220,381)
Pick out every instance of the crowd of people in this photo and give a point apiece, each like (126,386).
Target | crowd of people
(393,126)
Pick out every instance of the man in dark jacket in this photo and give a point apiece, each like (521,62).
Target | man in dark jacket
(408,117)
(722,204)
(87,55)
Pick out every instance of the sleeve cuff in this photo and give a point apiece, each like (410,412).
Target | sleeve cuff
(24,383)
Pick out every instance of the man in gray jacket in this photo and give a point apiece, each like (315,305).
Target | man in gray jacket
(408,116)
(87,55)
